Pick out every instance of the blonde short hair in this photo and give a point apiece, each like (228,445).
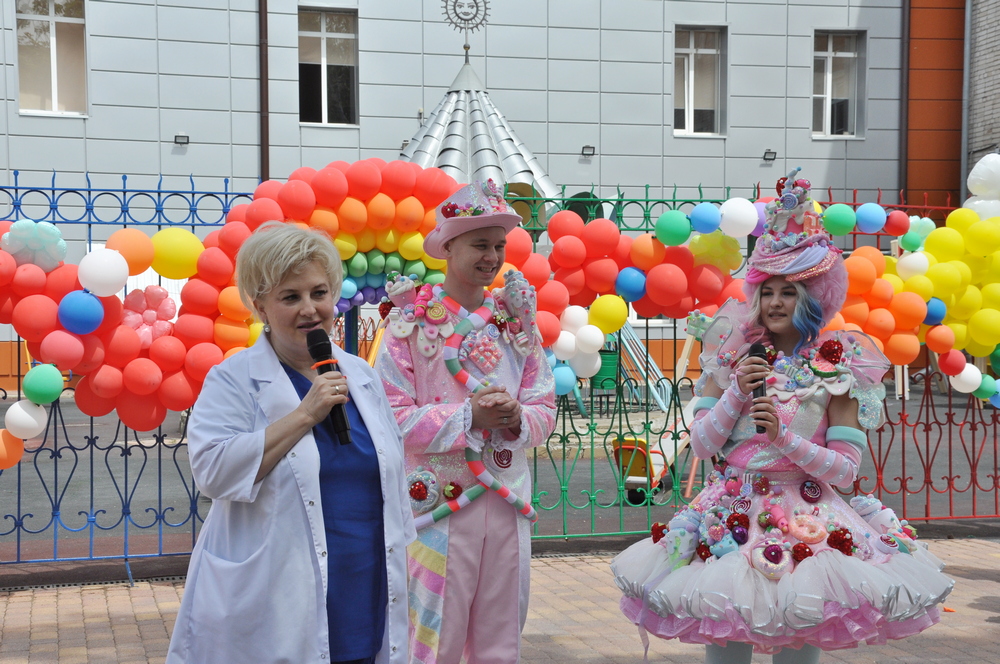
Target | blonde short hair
(276,250)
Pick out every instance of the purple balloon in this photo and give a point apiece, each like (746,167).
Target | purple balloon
(359,298)
(380,291)
(369,294)
(761,219)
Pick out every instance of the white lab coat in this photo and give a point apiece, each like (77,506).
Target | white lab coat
(257,581)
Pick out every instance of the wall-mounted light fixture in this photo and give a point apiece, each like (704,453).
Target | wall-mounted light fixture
(406,144)
(769,155)
(588,151)
(181,139)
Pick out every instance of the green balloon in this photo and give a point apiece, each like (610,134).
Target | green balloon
(839,219)
(911,241)
(394,263)
(987,388)
(376,262)
(42,384)
(434,277)
(415,267)
(995,360)
(673,228)
(357,265)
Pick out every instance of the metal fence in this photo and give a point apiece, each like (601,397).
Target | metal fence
(90,488)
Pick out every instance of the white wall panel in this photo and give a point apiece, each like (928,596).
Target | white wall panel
(201,126)
(624,140)
(133,123)
(194,92)
(508,41)
(122,54)
(516,73)
(639,15)
(575,13)
(631,108)
(642,78)
(390,36)
(574,75)
(203,24)
(574,43)
(574,107)
(193,58)
(113,19)
(631,46)
(122,88)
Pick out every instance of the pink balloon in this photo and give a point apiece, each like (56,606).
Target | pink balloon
(63,349)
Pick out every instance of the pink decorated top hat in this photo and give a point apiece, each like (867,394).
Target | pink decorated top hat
(474,206)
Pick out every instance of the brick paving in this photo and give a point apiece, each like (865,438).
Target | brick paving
(573,617)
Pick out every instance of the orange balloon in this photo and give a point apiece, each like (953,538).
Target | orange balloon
(409,214)
(909,309)
(231,333)
(880,295)
(874,256)
(498,281)
(902,348)
(325,219)
(11,449)
(861,275)
(353,215)
(836,323)
(231,306)
(135,246)
(647,252)
(429,222)
(855,310)
(940,339)
(854,327)
(880,323)
(381,212)
(878,342)
(232,351)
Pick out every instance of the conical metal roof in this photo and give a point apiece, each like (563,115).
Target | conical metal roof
(469,139)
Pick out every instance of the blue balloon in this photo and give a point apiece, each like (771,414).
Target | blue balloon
(348,288)
(80,312)
(871,218)
(936,311)
(565,379)
(374,280)
(631,284)
(550,357)
(705,218)
(995,400)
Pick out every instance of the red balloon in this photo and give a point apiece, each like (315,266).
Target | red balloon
(113,309)
(89,403)
(211,240)
(681,309)
(93,355)
(666,284)
(951,363)
(60,281)
(177,391)
(200,297)
(548,326)
(7,267)
(121,346)
(623,252)
(35,316)
(200,358)
(364,179)
(340,165)
(29,279)
(237,213)
(330,185)
(647,308)
(142,376)
(732,290)
(897,223)
(568,251)
(553,297)
(398,180)
(536,270)
(106,382)
(297,200)
(304,173)
(34,348)
(679,256)
(433,186)
(168,353)
(572,277)
(7,302)
(231,236)
(263,210)
(584,298)
(564,223)
(267,189)
(519,246)
(140,412)
(601,275)
(601,237)
(707,308)
(215,267)
(61,348)
(706,282)
(193,329)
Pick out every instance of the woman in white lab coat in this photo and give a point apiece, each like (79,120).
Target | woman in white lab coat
(302,557)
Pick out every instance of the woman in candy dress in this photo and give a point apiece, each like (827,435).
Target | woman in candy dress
(769,557)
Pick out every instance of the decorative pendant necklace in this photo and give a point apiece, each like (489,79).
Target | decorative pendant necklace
(468,322)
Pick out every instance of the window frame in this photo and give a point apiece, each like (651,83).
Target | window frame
(52,19)
(688,54)
(322,35)
(858,100)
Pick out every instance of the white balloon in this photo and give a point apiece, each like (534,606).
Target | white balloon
(984,178)
(589,339)
(573,318)
(103,272)
(739,217)
(986,208)
(911,265)
(585,364)
(25,419)
(565,346)
(968,381)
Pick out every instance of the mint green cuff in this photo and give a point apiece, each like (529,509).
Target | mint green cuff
(705,403)
(855,437)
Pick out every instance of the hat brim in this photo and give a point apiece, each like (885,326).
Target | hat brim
(455,226)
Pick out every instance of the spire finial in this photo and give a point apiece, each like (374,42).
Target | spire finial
(467,16)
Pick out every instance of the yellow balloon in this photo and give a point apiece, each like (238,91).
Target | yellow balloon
(964,271)
(966,303)
(945,244)
(347,245)
(608,312)
(920,285)
(897,283)
(961,331)
(976,349)
(984,327)
(175,253)
(961,219)
(366,240)
(434,263)
(979,267)
(387,240)
(411,246)
(983,237)
(890,265)
(922,333)
(256,328)
(991,296)
(946,279)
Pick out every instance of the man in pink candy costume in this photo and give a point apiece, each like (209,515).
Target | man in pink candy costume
(471,389)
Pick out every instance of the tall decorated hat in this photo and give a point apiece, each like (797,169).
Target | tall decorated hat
(474,206)
(795,246)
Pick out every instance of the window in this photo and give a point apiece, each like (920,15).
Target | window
(837,81)
(328,67)
(51,56)
(698,80)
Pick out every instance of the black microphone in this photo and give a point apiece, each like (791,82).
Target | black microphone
(756,350)
(321,350)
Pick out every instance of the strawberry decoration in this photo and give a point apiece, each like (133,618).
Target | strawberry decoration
(737,519)
(801,551)
(418,491)
(384,308)
(761,485)
(704,552)
(832,350)
(771,355)
(449,210)
(658,530)
(841,540)
(452,491)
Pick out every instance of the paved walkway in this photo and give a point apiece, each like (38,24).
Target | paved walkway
(573,618)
